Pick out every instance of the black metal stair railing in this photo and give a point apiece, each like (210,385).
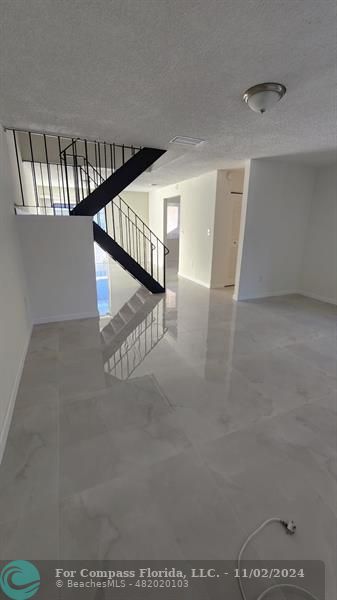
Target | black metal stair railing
(117,218)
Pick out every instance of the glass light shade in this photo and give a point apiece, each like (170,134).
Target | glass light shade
(263,96)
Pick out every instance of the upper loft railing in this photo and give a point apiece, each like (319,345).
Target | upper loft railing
(46,185)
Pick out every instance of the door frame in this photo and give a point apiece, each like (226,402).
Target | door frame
(170,200)
(174,200)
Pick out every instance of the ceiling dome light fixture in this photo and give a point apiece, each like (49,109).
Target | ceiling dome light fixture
(263,96)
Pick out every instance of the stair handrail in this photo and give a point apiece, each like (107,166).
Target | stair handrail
(166,250)
(79,139)
(127,217)
(118,207)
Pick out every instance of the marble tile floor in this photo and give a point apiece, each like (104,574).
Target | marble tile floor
(230,418)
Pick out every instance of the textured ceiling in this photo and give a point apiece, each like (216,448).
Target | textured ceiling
(144,71)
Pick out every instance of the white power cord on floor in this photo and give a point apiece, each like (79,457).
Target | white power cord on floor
(290,528)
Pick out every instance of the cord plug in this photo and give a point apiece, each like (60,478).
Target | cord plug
(290,527)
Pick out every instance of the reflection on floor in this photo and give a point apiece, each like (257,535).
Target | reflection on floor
(133,333)
(229,420)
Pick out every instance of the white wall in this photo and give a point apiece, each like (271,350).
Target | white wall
(197,209)
(15,320)
(58,255)
(319,267)
(156,207)
(276,203)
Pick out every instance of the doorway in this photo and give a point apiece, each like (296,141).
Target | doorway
(234,216)
(172,230)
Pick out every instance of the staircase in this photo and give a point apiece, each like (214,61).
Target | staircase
(118,230)
(59,175)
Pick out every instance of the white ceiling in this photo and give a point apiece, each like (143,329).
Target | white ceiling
(144,71)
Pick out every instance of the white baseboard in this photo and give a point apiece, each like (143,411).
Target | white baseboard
(206,285)
(57,318)
(9,413)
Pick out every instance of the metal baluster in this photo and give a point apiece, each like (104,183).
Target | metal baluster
(77,185)
(129,243)
(134,240)
(18,164)
(110,146)
(123,154)
(140,245)
(114,157)
(80,171)
(44,197)
(105,160)
(87,165)
(59,186)
(95,161)
(75,173)
(33,172)
(113,220)
(62,178)
(67,180)
(137,240)
(120,227)
(151,250)
(48,171)
(99,159)
(144,244)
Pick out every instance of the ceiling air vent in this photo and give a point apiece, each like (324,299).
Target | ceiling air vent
(186,141)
